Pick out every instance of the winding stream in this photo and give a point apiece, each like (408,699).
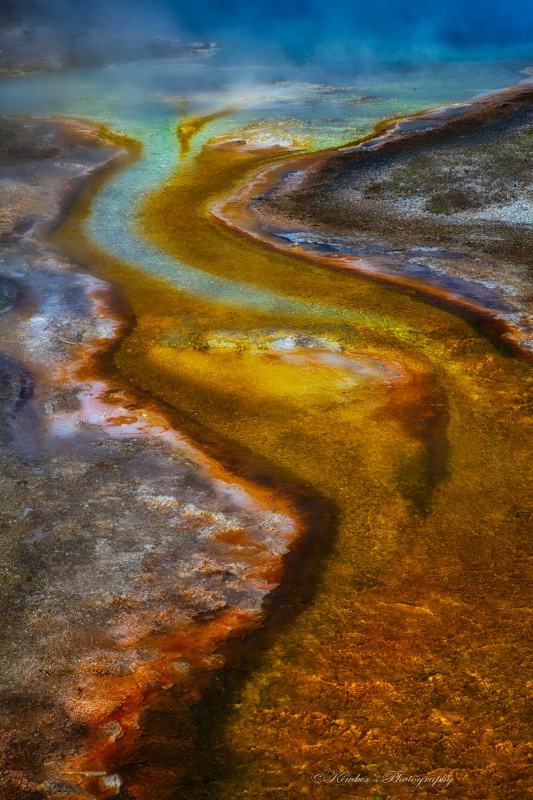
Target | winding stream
(403,647)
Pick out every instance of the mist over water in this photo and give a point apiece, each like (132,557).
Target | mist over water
(336,36)
(277,61)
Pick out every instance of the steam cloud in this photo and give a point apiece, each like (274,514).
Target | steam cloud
(301,30)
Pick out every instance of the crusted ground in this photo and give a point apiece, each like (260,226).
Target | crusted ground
(127,556)
(455,202)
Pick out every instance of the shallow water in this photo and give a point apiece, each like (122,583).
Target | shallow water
(403,640)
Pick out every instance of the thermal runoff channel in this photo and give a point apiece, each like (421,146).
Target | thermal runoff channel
(265,400)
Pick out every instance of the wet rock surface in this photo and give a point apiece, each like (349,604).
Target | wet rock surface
(15,389)
(445,206)
(128,557)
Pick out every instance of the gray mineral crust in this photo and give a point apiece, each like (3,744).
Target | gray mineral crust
(117,538)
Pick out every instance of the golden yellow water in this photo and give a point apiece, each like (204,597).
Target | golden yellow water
(404,651)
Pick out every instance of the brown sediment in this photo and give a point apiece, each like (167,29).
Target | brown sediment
(414,431)
(118,546)
(407,652)
(192,125)
(235,215)
(149,359)
(309,199)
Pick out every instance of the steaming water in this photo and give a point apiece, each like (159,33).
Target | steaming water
(137,99)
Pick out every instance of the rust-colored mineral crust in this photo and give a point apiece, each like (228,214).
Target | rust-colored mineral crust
(128,557)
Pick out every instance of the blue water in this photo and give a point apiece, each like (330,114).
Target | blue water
(146,100)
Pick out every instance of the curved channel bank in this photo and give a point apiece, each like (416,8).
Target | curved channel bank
(407,651)
(131,557)
(322,206)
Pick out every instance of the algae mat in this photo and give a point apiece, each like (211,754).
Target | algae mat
(400,653)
